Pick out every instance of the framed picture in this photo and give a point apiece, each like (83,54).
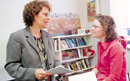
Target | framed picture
(63,23)
(81,31)
(91,10)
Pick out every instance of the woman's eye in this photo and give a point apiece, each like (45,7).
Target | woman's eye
(45,14)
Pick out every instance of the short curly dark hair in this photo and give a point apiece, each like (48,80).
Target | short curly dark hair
(109,26)
(33,8)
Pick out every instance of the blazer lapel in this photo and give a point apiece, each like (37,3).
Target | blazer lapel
(30,39)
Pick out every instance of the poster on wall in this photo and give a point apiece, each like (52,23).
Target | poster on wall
(63,24)
(91,10)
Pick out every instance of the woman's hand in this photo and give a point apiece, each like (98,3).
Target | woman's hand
(62,74)
(95,71)
(40,74)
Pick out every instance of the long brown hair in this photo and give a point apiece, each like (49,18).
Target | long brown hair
(109,26)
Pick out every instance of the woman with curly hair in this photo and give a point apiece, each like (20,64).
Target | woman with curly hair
(30,51)
(111,61)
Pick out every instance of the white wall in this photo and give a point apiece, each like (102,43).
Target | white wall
(105,7)
(128,12)
(11,17)
(118,12)
(10,21)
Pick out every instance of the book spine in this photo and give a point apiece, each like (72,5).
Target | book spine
(85,40)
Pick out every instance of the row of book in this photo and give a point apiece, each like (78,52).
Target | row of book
(86,52)
(78,65)
(73,42)
(69,54)
(70,42)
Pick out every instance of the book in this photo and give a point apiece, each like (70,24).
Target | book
(85,40)
(81,53)
(74,42)
(56,44)
(88,63)
(78,66)
(68,43)
(64,42)
(78,55)
(71,54)
(74,68)
(79,42)
(71,43)
(82,43)
(62,45)
(83,64)
(75,56)
(84,52)
(68,53)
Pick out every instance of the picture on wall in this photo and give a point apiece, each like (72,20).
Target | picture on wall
(63,23)
(91,10)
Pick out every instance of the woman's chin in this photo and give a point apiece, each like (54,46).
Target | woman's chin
(93,36)
(44,27)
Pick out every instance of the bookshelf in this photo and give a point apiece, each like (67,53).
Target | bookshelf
(75,52)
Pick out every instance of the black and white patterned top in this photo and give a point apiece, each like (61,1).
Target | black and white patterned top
(43,55)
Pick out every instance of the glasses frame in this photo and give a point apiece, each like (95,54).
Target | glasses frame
(96,27)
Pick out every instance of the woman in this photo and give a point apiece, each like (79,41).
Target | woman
(30,51)
(111,62)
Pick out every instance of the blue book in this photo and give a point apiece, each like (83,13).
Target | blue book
(74,42)
(68,43)
(77,53)
(71,43)
(81,41)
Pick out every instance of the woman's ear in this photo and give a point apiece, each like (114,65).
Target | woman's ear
(105,29)
(104,33)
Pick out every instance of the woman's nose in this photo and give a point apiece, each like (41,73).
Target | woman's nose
(48,17)
(92,28)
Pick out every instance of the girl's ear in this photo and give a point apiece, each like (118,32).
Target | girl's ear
(105,29)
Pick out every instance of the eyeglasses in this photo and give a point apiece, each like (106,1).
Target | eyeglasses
(97,27)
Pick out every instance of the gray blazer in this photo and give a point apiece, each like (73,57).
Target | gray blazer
(23,58)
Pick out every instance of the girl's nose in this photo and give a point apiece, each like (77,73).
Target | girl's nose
(92,28)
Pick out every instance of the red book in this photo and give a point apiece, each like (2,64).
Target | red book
(84,52)
(64,55)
